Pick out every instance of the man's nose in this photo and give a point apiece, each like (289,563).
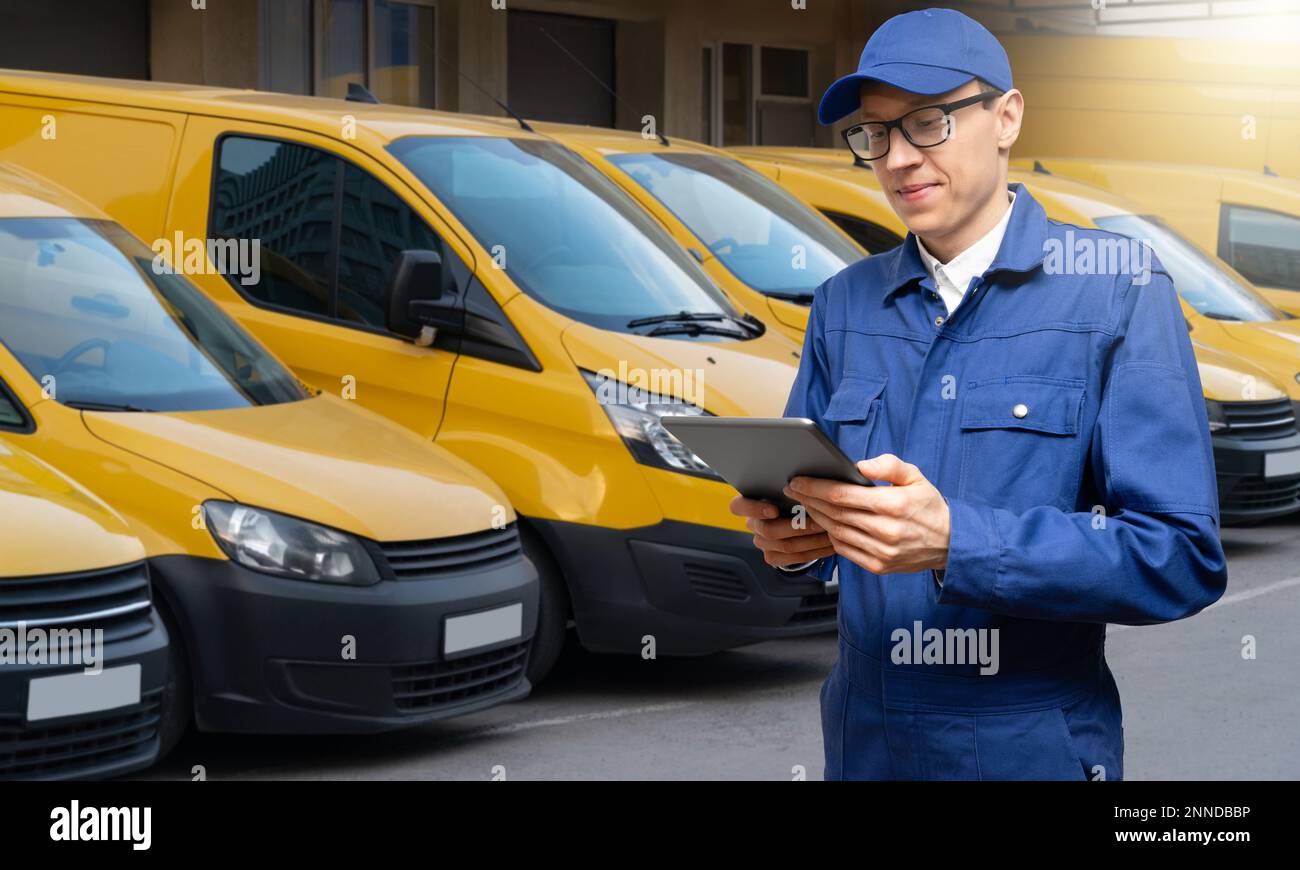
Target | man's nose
(902,153)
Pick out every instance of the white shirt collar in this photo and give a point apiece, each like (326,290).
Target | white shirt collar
(952,278)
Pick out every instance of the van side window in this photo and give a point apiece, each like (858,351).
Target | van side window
(283,196)
(377,227)
(291,198)
(9,413)
(1262,245)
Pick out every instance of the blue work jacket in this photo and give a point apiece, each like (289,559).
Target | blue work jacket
(1059,411)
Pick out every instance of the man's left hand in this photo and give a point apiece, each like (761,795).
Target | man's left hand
(884,529)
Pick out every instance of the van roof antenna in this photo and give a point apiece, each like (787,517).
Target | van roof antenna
(663,140)
(523,125)
(359,93)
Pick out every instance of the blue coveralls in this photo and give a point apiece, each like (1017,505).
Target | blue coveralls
(1095,502)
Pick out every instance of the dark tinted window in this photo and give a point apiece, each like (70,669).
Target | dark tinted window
(1263,245)
(377,227)
(9,413)
(287,196)
(872,237)
(283,195)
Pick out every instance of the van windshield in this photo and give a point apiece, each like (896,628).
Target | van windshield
(763,235)
(565,234)
(1210,287)
(84,310)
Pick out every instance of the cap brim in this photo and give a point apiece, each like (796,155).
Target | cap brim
(842,98)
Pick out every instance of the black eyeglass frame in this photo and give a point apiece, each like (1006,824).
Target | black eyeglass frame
(948,109)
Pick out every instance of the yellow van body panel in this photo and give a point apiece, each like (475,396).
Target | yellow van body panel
(1189,197)
(52,524)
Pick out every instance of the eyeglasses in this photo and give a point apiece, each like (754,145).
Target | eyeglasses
(925,127)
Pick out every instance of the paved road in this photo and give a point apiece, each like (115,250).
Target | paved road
(1193,707)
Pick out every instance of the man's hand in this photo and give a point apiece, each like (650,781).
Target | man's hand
(885,529)
(778,537)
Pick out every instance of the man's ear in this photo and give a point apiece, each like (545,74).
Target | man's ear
(1011,113)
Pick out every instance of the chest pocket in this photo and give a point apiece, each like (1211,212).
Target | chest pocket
(1021,442)
(852,412)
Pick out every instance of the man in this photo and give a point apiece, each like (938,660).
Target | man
(1039,433)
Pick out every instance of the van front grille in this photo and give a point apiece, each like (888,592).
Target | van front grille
(441,557)
(1260,420)
(424,687)
(90,747)
(116,600)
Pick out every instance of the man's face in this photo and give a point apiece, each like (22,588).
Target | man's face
(936,190)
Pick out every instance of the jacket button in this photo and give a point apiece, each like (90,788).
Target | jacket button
(1020,411)
(938,321)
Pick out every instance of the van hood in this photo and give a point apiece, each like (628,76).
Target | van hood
(729,378)
(321,459)
(1275,344)
(1226,377)
(53,525)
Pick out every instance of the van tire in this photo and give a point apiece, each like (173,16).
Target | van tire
(552,607)
(178,691)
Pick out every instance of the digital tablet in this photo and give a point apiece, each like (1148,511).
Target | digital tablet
(759,455)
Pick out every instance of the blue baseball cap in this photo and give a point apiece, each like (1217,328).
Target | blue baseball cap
(929,51)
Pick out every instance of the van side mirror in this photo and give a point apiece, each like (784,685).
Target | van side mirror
(418,283)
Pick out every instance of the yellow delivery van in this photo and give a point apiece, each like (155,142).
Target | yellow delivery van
(764,247)
(1251,220)
(488,289)
(319,568)
(1257,405)
(84,670)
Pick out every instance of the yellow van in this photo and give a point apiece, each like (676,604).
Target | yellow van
(83,654)
(764,247)
(1255,430)
(322,569)
(485,287)
(1251,220)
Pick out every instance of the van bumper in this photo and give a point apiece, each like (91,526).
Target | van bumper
(696,589)
(108,743)
(1245,494)
(271,655)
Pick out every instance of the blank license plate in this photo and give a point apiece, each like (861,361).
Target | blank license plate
(80,692)
(481,629)
(1282,464)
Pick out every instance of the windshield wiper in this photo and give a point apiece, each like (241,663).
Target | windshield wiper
(107,406)
(701,320)
(696,329)
(802,297)
(679,317)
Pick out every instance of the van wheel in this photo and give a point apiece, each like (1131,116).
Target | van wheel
(552,608)
(178,691)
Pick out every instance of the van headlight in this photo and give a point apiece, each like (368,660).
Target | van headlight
(637,415)
(286,547)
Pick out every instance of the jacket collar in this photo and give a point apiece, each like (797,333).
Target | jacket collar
(1022,247)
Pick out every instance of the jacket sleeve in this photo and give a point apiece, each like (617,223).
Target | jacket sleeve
(1153,554)
(811,393)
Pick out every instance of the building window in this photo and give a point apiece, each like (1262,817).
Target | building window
(737,96)
(784,72)
(757,95)
(321,46)
(404,56)
(286,46)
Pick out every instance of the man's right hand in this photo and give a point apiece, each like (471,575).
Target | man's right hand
(777,536)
